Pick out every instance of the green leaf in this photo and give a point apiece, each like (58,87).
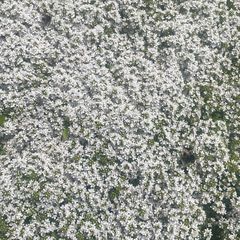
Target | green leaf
(2,120)
(65,134)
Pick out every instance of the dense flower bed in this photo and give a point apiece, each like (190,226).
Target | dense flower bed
(119,119)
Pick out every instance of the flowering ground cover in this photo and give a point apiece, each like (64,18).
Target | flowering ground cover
(119,119)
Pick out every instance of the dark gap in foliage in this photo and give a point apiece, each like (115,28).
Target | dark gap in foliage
(228,205)
(217,232)
(46,20)
(210,213)
(230,5)
(188,156)
(204,113)
(217,115)
(28,219)
(83,142)
(136,181)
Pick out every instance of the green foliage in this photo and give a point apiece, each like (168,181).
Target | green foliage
(35,197)
(135,181)
(41,70)
(150,142)
(65,134)
(233,144)
(102,159)
(217,115)
(114,193)
(214,114)
(207,109)
(233,167)
(76,158)
(228,205)
(108,31)
(54,235)
(217,233)
(80,236)
(66,130)
(210,213)
(2,120)
(168,32)
(109,7)
(141,212)
(2,150)
(6,113)
(97,123)
(88,217)
(66,122)
(206,92)
(30,176)
(230,5)
(148,2)
(3,228)
(159,133)
(204,112)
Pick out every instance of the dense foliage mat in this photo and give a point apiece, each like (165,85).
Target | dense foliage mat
(119,119)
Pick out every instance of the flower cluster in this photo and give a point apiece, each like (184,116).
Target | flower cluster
(119,119)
